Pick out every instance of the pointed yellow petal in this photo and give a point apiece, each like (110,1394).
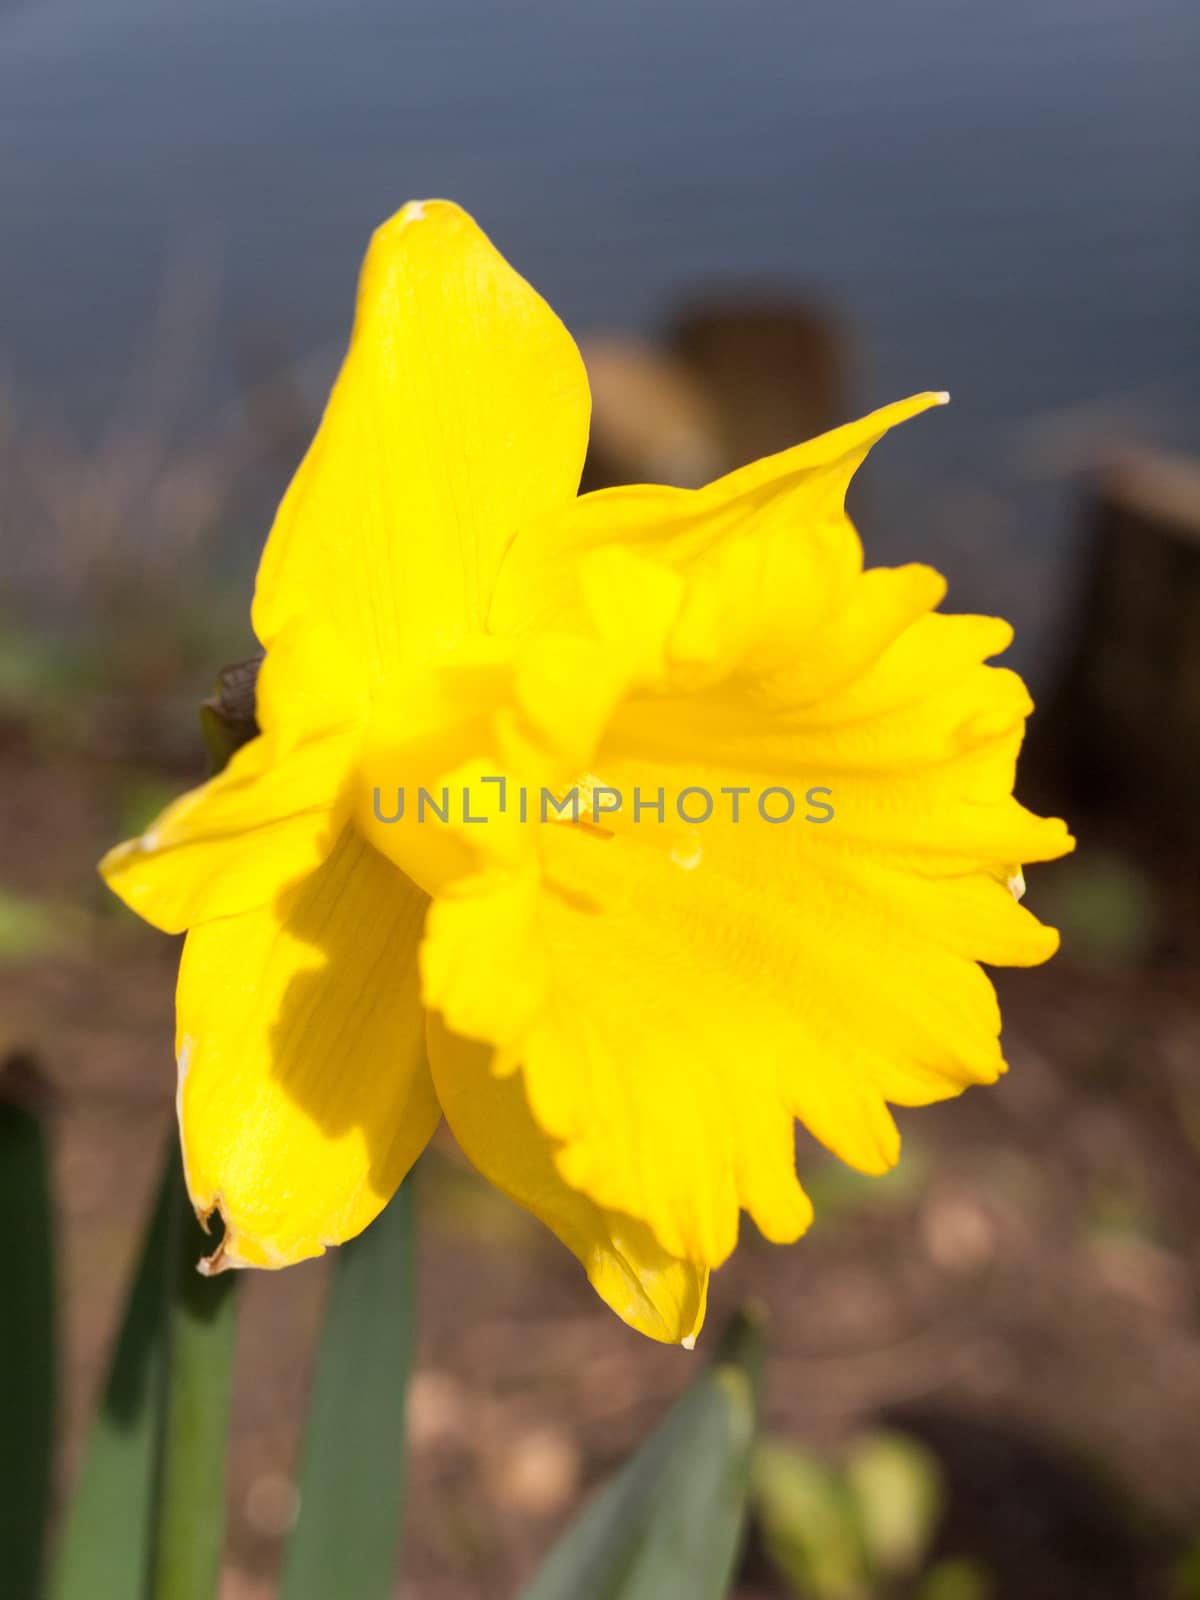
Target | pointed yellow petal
(843,450)
(460,414)
(304,1095)
(651,1290)
(798,494)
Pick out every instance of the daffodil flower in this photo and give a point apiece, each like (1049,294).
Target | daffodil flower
(620,1017)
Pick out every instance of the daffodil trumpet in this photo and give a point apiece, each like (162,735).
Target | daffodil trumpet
(621,1022)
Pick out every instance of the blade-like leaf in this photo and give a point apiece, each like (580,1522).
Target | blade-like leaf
(148,1516)
(190,1522)
(352,1479)
(105,1546)
(669,1526)
(189,1511)
(26,1351)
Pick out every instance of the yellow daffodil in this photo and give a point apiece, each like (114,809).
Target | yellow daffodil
(621,1010)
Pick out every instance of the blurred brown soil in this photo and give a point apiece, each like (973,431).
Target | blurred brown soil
(1022,1291)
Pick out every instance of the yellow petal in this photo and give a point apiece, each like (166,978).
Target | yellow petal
(798,494)
(304,1094)
(648,1288)
(460,414)
(237,841)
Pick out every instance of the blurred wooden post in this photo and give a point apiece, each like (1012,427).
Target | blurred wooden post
(1119,737)
(736,377)
(778,368)
(652,420)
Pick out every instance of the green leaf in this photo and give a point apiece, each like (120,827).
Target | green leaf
(809,1524)
(957,1580)
(148,1517)
(897,1488)
(190,1521)
(26,1351)
(105,1548)
(28,928)
(1185,1575)
(669,1526)
(352,1480)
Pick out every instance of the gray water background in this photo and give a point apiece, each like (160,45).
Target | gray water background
(1004,199)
